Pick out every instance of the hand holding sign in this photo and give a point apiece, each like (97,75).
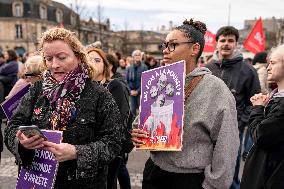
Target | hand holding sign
(137,135)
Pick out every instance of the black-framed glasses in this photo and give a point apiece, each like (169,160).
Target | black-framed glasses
(172,45)
(31,74)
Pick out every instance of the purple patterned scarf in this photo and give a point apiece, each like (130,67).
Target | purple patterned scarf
(63,95)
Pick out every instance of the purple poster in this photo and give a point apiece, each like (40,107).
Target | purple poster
(162,107)
(10,105)
(44,167)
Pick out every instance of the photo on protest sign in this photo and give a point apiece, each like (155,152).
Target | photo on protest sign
(162,107)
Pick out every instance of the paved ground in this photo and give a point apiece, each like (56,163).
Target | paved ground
(136,162)
(137,159)
(8,169)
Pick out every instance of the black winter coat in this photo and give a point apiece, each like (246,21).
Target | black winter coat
(242,79)
(96,133)
(264,167)
(120,95)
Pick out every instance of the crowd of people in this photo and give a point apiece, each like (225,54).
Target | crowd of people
(93,97)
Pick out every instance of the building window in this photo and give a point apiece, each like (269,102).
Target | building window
(20,50)
(19,31)
(73,19)
(42,11)
(85,40)
(18,9)
(59,16)
(43,29)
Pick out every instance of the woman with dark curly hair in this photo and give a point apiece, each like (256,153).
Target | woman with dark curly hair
(210,135)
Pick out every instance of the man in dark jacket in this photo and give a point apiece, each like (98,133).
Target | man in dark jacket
(133,78)
(264,167)
(240,77)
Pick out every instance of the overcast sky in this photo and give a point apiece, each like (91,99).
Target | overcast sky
(150,14)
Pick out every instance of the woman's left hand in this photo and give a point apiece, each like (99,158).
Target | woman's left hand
(62,152)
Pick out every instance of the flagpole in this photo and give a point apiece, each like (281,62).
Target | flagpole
(229,13)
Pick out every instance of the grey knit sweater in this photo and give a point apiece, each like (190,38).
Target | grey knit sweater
(210,135)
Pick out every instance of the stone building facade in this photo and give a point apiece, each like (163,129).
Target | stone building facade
(147,41)
(91,31)
(23,21)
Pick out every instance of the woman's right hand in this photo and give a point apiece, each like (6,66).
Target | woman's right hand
(31,143)
(137,135)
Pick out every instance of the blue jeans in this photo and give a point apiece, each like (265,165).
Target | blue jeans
(247,143)
(113,168)
(123,176)
(134,104)
(236,180)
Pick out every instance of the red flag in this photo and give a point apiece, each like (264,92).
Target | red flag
(209,42)
(255,41)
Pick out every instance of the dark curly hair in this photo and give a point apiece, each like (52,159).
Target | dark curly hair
(194,31)
(227,30)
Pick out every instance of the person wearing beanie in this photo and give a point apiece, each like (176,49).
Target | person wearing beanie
(260,58)
(260,63)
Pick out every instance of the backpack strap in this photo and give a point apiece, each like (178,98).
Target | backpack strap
(190,87)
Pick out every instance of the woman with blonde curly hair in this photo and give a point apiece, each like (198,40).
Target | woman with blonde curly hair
(71,102)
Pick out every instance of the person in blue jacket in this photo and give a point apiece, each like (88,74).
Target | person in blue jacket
(133,77)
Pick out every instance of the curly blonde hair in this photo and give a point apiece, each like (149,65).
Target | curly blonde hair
(70,38)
